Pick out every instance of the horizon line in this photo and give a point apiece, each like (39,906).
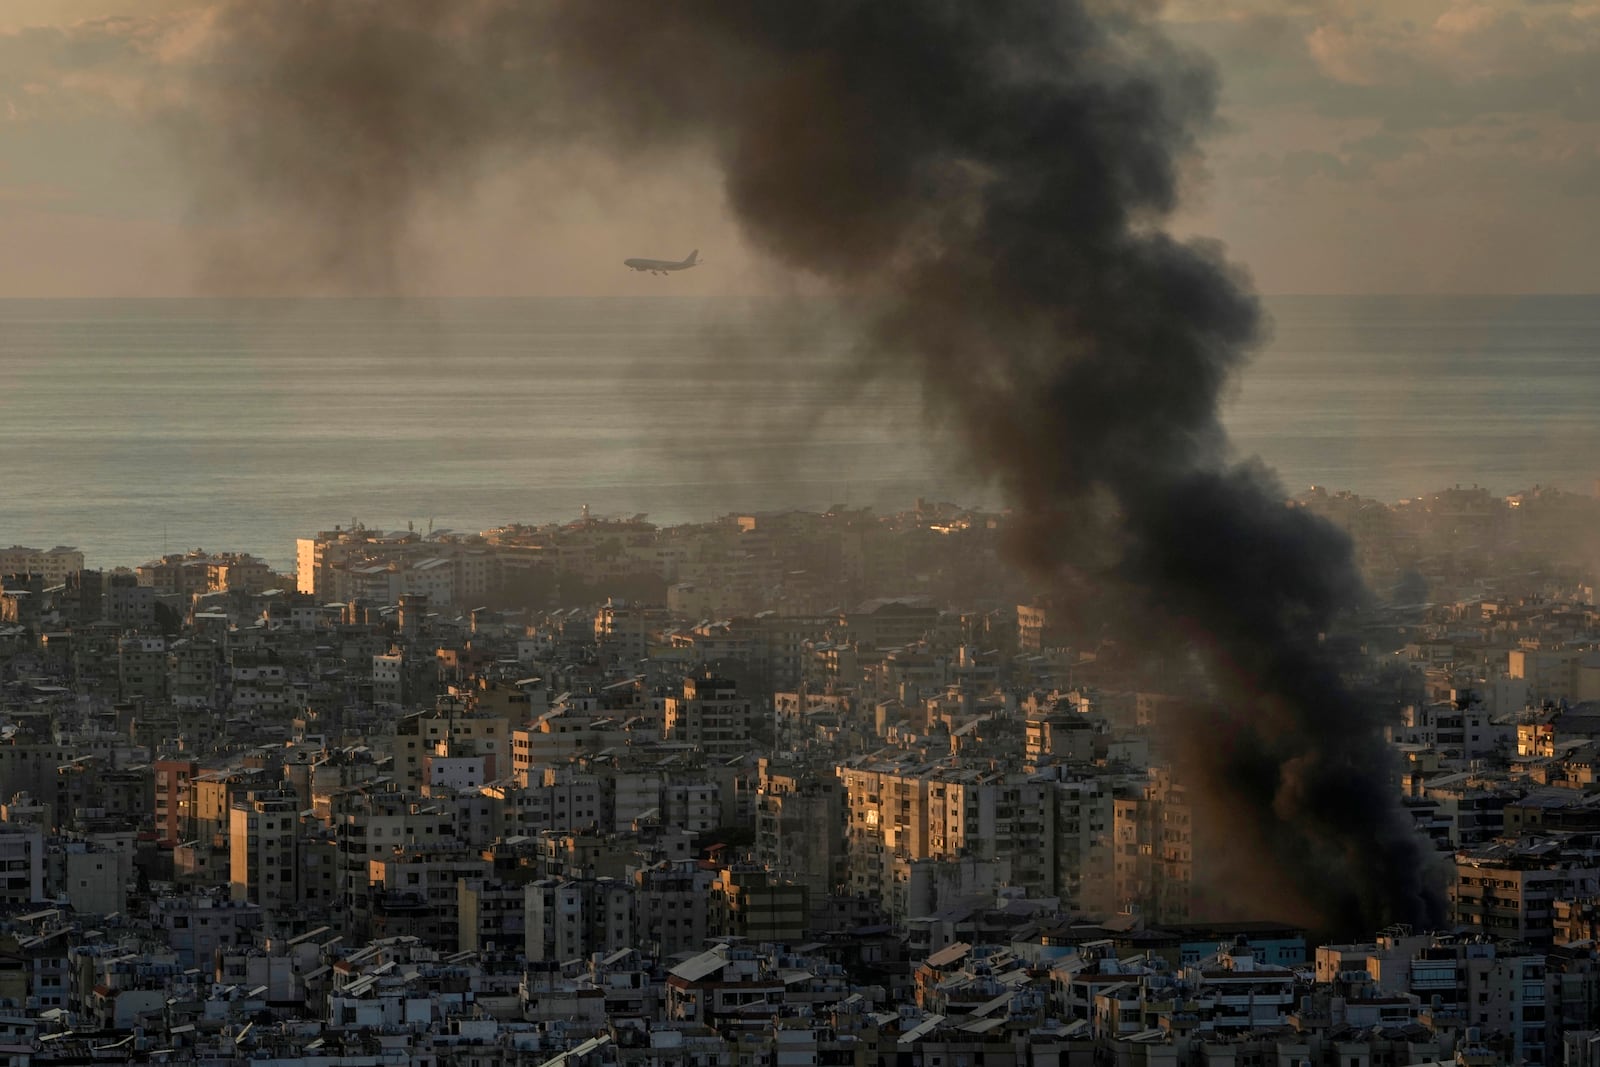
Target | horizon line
(1270,295)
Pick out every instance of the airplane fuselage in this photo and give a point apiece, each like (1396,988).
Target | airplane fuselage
(662,266)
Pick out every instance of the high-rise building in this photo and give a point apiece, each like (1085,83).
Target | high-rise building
(263,861)
(172,799)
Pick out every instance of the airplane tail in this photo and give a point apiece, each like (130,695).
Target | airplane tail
(689,262)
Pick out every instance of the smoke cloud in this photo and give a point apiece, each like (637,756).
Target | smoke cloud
(983,186)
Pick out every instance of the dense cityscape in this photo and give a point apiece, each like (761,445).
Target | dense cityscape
(776,790)
(1132,758)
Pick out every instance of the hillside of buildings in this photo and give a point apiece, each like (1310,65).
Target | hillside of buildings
(775,790)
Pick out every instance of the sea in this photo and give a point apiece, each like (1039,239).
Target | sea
(132,428)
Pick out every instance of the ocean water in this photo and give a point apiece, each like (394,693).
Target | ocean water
(1398,396)
(129,428)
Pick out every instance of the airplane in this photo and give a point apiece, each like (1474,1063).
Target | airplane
(661,266)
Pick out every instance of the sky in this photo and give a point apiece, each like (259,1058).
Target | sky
(1366,146)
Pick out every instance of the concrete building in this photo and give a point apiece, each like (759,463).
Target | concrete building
(800,826)
(712,716)
(93,878)
(623,632)
(54,565)
(671,906)
(263,857)
(1508,890)
(749,903)
(576,918)
(172,802)
(22,859)
(142,669)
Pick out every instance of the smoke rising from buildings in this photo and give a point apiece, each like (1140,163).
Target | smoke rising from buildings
(983,185)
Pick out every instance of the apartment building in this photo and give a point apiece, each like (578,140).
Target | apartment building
(22,860)
(1508,889)
(712,716)
(263,857)
(568,919)
(51,564)
(172,799)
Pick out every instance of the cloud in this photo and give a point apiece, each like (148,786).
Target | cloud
(123,66)
(1382,147)
(1355,161)
(1329,105)
(1474,59)
(80,142)
(1414,144)
(1410,65)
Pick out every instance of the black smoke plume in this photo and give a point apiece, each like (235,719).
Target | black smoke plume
(983,184)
